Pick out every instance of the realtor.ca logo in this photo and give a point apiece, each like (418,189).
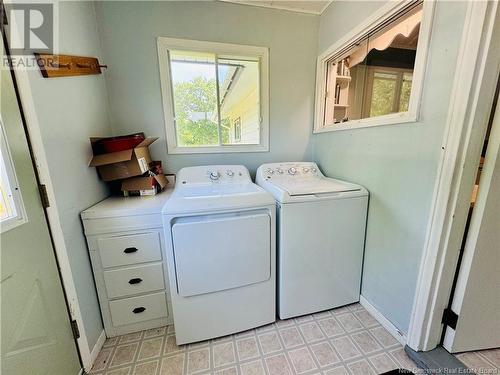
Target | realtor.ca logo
(30,27)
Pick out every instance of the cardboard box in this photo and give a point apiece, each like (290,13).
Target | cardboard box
(123,164)
(149,185)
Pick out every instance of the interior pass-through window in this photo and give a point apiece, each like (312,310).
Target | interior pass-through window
(372,75)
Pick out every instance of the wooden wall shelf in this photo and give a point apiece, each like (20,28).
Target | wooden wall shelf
(52,66)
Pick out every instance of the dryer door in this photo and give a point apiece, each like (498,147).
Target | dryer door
(218,252)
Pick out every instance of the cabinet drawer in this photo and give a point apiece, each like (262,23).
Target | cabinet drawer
(138,309)
(134,280)
(129,249)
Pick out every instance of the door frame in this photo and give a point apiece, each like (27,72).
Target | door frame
(34,137)
(477,70)
(474,230)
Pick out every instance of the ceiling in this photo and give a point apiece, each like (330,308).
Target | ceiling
(305,6)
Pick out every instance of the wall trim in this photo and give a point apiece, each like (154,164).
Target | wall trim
(95,351)
(462,141)
(386,323)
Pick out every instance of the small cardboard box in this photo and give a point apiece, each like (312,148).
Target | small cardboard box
(123,164)
(149,185)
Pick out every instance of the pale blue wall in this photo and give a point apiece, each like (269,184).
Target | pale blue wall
(69,111)
(129,31)
(396,163)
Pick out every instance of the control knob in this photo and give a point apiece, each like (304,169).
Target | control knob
(292,171)
(214,175)
(230,173)
(279,170)
(270,171)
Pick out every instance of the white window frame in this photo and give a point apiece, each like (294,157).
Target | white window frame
(20,217)
(386,12)
(368,88)
(262,53)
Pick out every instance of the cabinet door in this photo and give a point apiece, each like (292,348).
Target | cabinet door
(221,252)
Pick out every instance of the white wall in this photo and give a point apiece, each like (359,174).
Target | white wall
(396,163)
(129,31)
(69,111)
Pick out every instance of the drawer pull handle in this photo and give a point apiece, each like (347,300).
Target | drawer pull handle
(138,310)
(130,250)
(135,280)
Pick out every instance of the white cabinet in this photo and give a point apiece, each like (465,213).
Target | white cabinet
(127,250)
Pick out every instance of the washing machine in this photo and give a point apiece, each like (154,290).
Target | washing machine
(221,254)
(321,236)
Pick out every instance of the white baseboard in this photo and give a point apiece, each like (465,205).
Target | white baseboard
(398,335)
(95,352)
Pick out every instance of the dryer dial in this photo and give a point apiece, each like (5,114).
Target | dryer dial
(214,175)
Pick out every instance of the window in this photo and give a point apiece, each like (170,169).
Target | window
(237,130)
(215,96)
(12,211)
(374,77)
(388,91)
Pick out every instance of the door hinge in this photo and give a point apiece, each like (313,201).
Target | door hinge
(450,318)
(74,328)
(43,195)
(4,20)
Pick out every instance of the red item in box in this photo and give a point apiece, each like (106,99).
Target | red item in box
(116,144)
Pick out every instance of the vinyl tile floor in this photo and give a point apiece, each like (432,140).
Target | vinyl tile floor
(482,361)
(347,340)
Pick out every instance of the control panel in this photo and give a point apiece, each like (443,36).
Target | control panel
(213,174)
(286,170)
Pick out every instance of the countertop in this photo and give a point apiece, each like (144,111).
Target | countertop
(128,206)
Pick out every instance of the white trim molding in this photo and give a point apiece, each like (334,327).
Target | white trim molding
(386,12)
(165,44)
(387,324)
(472,95)
(301,7)
(96,350)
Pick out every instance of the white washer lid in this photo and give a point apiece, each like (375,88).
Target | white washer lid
(315,185)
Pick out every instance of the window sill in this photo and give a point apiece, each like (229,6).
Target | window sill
(392,119)
(217,149)
(11,223)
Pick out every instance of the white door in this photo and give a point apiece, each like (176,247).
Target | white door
(220,252)
(477,295)
(36,336)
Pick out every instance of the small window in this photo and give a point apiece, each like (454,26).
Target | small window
(369,80)
(12,211)
(215,96)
